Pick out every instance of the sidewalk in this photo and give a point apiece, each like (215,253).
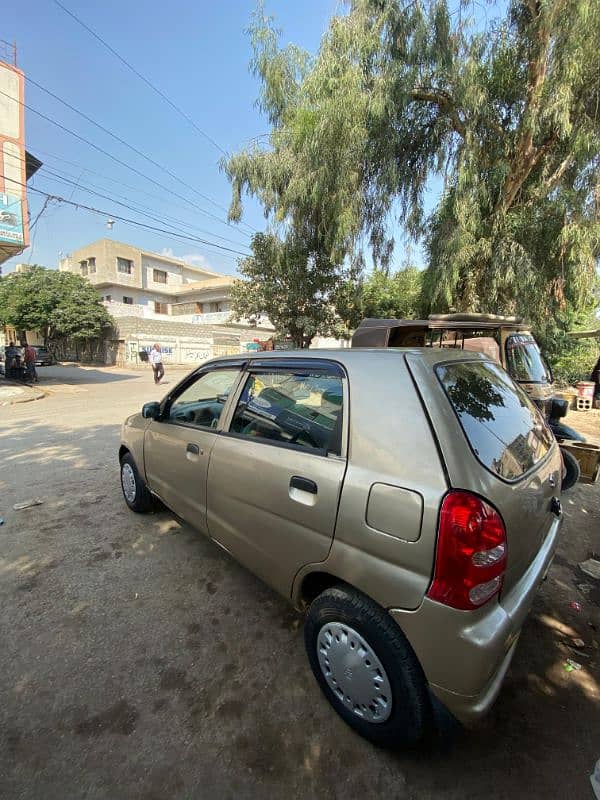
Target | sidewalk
(18,393)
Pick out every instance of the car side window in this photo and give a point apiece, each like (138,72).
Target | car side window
(295,408)
(202,402)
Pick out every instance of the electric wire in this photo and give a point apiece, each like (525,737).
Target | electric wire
(115,159)
(143,78)
(109,214)
(125,144)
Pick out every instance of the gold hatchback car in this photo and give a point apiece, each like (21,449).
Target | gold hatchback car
(408,499)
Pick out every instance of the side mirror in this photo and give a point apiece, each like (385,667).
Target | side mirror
(151,410)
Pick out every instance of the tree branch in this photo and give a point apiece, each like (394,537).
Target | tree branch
(527,155)
(444,102)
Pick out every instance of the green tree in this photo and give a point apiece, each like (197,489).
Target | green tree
(291,284)
(397,295)
(400,92)
(380,294)
(59,305)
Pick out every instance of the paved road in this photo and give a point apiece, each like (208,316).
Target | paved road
(138,661)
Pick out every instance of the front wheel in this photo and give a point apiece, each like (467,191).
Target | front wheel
(366,668)
(135,491)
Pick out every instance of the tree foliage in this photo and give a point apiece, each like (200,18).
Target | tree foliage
(381,295)
(291,284)
(400,92)
(57,304)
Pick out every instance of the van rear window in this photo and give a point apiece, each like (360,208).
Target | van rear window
(506,431)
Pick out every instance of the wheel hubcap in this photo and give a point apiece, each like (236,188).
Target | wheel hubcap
(128,482)
(354,673)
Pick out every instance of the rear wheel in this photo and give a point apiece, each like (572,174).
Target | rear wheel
(135,491)
(366,668)
(572,470)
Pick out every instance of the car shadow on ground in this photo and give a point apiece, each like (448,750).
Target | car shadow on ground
(72,374)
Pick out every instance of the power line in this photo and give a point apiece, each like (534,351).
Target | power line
(126,144)
(171,233)
(114,158)
(129,186)
(143,78)
(76,184)
(143,212)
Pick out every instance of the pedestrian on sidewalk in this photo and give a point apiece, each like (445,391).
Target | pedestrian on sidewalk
(29,357)
(156,361)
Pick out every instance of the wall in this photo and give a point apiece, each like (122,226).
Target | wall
(182,342)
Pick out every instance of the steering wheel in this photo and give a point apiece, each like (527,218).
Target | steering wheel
(308,437)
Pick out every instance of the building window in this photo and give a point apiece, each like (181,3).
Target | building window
(91,265)
(215,308)
(128,300)
(108,298)
(124,265)
(83,266)
(161,308)
(159,276)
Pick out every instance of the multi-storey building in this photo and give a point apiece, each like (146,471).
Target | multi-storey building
(136,282)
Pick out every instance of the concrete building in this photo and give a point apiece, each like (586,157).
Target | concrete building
(16,164)
(139,283)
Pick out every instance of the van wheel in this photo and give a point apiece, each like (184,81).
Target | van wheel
(366,668)
(135,491)
(572,470)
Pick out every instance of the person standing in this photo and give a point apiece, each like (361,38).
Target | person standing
(29,357)
(156,361)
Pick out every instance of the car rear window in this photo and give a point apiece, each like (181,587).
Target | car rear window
(506,431)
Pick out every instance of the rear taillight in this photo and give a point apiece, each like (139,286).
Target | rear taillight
(470,560)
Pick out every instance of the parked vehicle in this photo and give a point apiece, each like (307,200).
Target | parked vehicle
(407,499)
(44,357)
(507,340)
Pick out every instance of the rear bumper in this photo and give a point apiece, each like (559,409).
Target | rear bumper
(465,654)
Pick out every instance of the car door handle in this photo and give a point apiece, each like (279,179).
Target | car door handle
(193,448)
(304,484)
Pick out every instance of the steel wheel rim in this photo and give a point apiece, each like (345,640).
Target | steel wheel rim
(128,482)
(354,673)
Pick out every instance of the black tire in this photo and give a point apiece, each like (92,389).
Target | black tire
(142,502)
(573,470)
(410,720)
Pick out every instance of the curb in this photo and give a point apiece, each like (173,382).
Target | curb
(38,394)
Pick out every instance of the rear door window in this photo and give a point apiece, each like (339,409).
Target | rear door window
(504,429)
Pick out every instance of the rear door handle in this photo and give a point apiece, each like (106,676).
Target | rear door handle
(193,448)
(304,484)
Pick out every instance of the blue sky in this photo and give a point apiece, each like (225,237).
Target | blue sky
(197,54)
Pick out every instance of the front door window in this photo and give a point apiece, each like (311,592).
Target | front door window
(201,403)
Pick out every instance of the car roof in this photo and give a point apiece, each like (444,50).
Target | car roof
(356,355)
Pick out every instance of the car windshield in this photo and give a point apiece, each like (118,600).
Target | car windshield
(524,360)
(505,430)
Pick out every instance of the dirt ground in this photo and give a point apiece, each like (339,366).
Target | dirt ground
(137,660)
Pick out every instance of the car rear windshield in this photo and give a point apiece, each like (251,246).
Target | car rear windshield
(505,430)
